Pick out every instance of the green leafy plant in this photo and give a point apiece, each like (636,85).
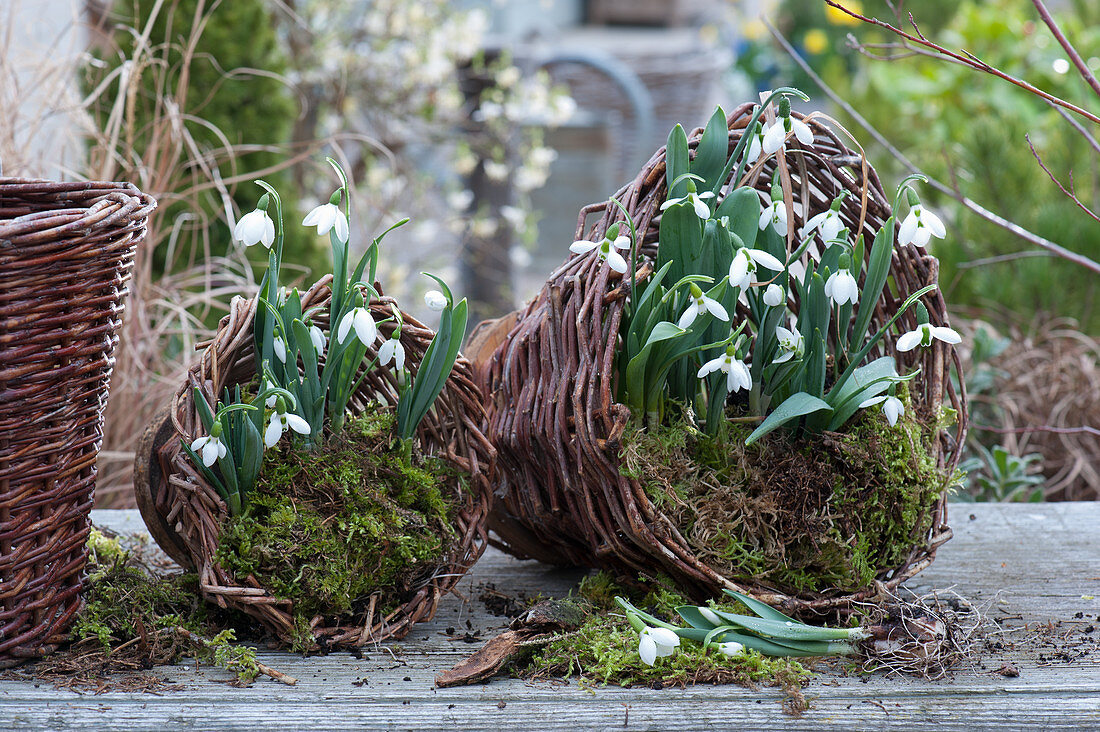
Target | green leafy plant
(998,475)
(308,375)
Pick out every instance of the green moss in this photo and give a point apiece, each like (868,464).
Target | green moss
(802,513)
(132,618)
(328,529)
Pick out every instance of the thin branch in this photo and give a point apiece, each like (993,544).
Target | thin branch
(968,59)
(1071,193)
(1083,430)
(973,206)
(1075,57)
(1092,141)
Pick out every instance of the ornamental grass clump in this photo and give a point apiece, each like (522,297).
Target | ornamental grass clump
(339,485)
(742,377)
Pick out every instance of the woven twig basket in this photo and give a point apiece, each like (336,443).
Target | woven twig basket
(552,415)
(185,514)
(65,255)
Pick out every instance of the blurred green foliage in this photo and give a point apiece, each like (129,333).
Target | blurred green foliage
(966,128)
(221,63)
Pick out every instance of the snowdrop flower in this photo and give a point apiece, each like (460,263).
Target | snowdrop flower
(697,200)
(756,145)
(280,422)
(435,300)
(827,222)
(701,303)
(737,373)
(392,350)
(773,295)
(892,407)
(328,216)
(776,215)
(605,250)
(317,336)
(280,348)
(360,319)
(924,334)
(656,643)
(255,227)
(731,648)
(744,265)
(842,287)
(778,130)
(791,343)
(211,447)
(920,226)
(270,401)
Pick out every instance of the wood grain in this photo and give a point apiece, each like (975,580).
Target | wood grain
(1037,563)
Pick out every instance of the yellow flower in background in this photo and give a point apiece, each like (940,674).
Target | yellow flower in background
(754,29)
(837,17)
(816,41)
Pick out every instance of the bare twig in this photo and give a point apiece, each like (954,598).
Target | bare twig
(1075,57)
(1082,430)
(970,204)
(1070,193)
(968,59)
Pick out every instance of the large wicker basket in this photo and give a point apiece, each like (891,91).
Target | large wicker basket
(185,514)
(557,428)
(65,254)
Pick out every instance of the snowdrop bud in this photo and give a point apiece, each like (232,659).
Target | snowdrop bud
(773,295)
(435,300)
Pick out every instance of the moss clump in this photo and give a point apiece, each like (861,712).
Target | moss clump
(605,649)
(133,618)
(797,512)
(329,528)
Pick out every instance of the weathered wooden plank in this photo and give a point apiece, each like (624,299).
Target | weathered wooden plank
(1042,560)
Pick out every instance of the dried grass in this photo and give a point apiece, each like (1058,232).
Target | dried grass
(1046,399)
(166,315)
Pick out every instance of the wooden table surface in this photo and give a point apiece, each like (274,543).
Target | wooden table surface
(1035,563)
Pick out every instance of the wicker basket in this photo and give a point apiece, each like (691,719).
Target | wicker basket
(553,419)
(65,254)
(185,514)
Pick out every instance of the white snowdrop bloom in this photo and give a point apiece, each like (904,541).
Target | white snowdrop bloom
(326,217)
(280,423)
(745,263)
(392,350)
(280,348)
(892,407)
(827,222)
(496,171)
(773,295)
(435,300)
(924,334)
(210,448)
(842,287)
(697,200)
(731,648)
(737,373)
(791,344)
(774,214)
(655,643)
(366,330)
(317,337)
(700,303)
(605,250)
(255,227)
(920,226)
(776,134)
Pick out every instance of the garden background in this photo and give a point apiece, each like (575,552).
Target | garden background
(490,123)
